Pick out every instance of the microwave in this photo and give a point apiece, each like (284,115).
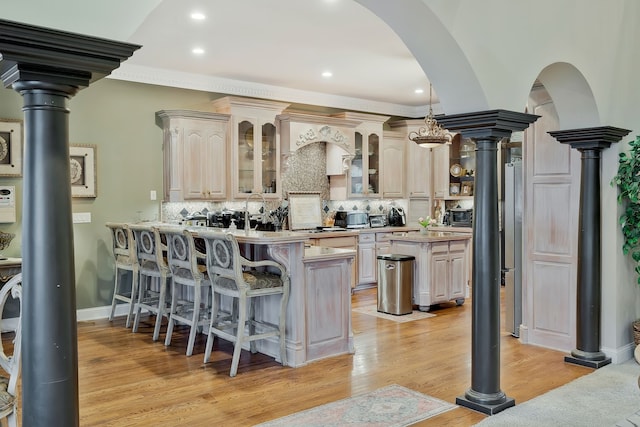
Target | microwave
(459,217)
(351,219)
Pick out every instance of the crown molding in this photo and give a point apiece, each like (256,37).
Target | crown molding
(162,77)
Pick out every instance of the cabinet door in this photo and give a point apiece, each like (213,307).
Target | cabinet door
(439,277)
(364,173)
(459,268)
(419,171)
(373,165)
(440,156)
(393,167)
(245,149)
(204,160)
(367,263)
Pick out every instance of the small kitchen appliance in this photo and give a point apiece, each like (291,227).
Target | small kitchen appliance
(351,219)
(397,217)
(459,217)
(377,220)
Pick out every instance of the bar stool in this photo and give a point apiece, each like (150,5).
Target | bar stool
(10,362)
(124,253)
(186,272)
(154,274)
(245,281)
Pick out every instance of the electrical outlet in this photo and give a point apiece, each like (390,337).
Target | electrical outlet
(153,195)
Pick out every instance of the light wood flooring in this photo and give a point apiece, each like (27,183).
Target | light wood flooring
(127,379)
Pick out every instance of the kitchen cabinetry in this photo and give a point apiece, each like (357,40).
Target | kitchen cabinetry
(367,258)
(255,150)
(462,165)
(195,154)
(441,270)
(393,165)
(346,242)
(440,157)
(364,177)
(418,171)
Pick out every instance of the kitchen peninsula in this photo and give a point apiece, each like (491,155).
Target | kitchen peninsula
(319,309)
(441,269)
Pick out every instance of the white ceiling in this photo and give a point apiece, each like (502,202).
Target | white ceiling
(275,49)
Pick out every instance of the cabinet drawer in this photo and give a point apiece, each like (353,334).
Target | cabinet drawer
(367,238)
(458,245)
(383,237)
(440,247)
(338,242)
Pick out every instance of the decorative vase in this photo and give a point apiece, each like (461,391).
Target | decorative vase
(423,230)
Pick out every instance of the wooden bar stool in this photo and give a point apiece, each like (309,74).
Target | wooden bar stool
(154,274)
(245,281)
(124,253)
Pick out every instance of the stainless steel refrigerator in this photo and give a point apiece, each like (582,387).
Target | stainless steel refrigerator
(513,246)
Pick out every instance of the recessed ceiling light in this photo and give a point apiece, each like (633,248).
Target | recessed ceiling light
(197,50)
(198,16)
(419,91)
(327,74)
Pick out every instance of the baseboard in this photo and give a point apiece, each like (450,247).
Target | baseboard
(98,313)
(621,354)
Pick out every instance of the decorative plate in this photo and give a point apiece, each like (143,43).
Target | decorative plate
(456,170)
(4,149)
(76,171)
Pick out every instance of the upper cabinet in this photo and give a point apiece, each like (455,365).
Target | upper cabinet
(419,163)
(195,154)
(255,148)
(364,174)
(394,148)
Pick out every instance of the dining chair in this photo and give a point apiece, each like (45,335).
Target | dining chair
(124,253)
(245,281)
(10,359)
(188,270)
(153,272)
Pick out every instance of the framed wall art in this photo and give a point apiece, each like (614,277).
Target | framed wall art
(10,147)
(83,170)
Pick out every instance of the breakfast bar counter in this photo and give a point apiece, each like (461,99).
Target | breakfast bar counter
(318,321)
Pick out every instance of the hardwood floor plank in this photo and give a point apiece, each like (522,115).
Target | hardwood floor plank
(127,379)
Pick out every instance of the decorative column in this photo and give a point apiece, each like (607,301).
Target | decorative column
(590,142)
(47,67)
(486,129)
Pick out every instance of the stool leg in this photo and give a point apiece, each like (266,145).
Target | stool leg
(215,304)
(283,330)
(172,310)
(142,290)
(161,307)
(237,349)
(194,319)
(134,290)
(115,292)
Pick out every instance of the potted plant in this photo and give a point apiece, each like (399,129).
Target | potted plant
(628,182)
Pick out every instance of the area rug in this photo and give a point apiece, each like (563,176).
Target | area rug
(391,406)
(609,396)
(372,310)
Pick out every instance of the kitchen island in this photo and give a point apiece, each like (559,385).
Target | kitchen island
(318,321)
(441,268)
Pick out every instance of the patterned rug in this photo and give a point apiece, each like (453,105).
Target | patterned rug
(372,310)
(391,406)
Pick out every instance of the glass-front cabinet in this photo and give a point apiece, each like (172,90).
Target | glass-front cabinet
(365,166)
(255,147)
(257,158)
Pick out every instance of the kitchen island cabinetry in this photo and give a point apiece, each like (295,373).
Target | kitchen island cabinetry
(441,270)
(195,154)
(340,241)
(367,258)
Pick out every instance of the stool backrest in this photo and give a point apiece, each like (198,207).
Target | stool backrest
(223,255)
(149,247)
(181,251)
(124,249)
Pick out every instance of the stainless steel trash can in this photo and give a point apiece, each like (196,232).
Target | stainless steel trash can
(395,283)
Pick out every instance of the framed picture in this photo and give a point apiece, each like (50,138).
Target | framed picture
(454,189)
(305,210)
(83,170)
(10,147)
(467,189)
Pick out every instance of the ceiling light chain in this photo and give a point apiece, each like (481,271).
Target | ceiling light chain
(432,134)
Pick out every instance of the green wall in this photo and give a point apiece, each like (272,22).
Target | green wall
(119,118)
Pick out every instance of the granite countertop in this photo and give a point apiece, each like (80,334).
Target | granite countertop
(351,231)
(449,228)
(430,236)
